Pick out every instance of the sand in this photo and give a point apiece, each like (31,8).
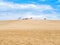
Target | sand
(30,25)
(30,32)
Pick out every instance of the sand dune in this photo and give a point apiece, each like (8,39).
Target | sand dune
(30,32)
(30,25)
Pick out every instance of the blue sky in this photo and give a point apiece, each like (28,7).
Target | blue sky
(38,9)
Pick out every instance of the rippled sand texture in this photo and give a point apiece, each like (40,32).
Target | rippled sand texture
(29,32)
(30,37)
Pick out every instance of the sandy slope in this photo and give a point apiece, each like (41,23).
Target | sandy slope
(30,32)
(30,25)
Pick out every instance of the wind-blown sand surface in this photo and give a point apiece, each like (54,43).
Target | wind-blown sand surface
(30,32)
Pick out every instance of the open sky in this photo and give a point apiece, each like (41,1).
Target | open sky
(12,9)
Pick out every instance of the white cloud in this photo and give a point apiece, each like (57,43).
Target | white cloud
(13,10)
(23,6)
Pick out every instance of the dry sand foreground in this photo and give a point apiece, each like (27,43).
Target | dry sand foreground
(30,32)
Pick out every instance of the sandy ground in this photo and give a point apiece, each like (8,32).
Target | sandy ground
(30,25)
(30,32)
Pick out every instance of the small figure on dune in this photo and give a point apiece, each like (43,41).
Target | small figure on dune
(44,18)
(19,18)
(27,18)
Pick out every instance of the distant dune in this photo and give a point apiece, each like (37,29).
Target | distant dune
(30,32)
(30,25)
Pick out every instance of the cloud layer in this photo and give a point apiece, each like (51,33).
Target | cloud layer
(9,10)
